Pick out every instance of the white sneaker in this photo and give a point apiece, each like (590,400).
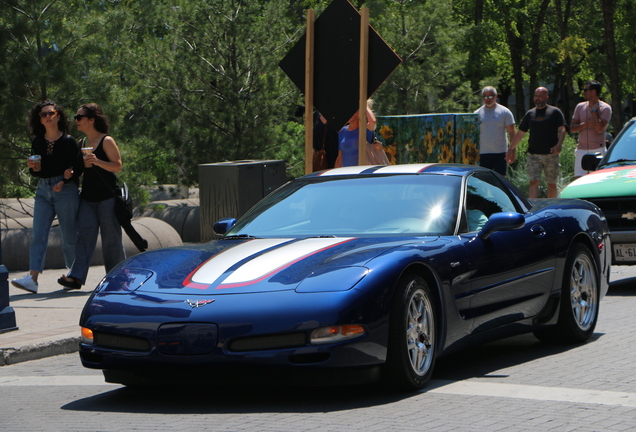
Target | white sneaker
(26,283)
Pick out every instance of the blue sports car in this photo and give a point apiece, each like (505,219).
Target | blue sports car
(353,274)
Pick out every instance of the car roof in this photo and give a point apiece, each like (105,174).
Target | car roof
(428,168)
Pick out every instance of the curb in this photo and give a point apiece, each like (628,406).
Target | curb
(35,352)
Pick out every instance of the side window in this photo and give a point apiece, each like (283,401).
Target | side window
(484,196)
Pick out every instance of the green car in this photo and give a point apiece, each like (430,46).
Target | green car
(612,187)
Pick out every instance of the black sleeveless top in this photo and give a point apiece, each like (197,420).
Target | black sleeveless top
(99,184)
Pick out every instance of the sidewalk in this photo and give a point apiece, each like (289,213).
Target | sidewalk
(48,322)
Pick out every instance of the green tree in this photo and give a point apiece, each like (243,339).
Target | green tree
(212,89)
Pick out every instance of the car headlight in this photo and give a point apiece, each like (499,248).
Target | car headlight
(339,279)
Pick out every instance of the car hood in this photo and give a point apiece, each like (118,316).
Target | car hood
(247,266)
(607,182)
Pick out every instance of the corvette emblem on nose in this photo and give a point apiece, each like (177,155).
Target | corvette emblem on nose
(198,303)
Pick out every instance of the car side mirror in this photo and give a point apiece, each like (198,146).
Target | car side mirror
(502,222)
(224,225)
(590,161)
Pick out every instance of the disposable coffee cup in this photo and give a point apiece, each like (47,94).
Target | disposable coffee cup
(87,150)
(37,160)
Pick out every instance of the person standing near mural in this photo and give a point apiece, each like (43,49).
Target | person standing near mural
(348,138)
(496,131)
(590,120)
(547,132)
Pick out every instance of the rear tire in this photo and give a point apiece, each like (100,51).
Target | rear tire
(412,336)
(578,313)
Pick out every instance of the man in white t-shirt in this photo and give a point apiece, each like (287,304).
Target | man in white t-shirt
(590,120)
(496,131)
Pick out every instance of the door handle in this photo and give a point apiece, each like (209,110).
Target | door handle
(538,231)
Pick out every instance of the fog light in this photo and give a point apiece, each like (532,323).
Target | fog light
(333,334)
(87,336)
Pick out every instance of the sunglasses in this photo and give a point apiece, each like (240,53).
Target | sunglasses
(587,89)
(488,97)
(78,117)
(48,114)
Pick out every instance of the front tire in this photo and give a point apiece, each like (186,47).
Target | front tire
(579,307)
(412,336)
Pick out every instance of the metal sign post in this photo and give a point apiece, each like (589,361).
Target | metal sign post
(364,82)
(7,314)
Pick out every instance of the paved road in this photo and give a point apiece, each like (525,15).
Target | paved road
(517,384)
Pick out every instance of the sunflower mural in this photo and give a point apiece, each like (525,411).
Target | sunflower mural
(430,138)
(467,139)
(387,135)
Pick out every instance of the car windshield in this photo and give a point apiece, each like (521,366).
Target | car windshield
(624,148)
(345,206)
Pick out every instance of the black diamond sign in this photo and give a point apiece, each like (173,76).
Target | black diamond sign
(337,62)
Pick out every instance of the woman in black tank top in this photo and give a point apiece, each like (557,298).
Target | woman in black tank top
(96,213)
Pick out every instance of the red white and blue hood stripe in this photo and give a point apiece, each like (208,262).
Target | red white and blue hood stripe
(255,260)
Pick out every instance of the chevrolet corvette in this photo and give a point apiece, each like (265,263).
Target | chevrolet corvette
(349,275)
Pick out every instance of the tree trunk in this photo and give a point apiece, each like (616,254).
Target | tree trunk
(515,44)
(614,84)
(533,65)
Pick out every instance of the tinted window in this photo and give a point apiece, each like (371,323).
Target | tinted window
(413,204)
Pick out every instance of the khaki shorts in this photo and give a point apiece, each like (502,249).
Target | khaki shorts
(548,163)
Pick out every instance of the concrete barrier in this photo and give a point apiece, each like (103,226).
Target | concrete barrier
(183,215)
(12,208)
(16,243)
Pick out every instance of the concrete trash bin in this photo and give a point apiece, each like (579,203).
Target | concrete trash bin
(230,189)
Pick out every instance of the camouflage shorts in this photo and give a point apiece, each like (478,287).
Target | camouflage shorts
(548,163)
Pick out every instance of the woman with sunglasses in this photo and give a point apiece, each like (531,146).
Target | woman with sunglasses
(96,213)
(57,162)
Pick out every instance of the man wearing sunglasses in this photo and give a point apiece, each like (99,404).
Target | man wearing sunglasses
(590,120)
(496,131)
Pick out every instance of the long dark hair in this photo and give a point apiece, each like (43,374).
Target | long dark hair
(94,111)
(37,128)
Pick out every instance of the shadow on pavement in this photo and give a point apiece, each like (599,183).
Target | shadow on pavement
(623,287)
(482,360)
(237,400)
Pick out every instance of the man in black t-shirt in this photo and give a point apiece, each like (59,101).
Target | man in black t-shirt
(546,124)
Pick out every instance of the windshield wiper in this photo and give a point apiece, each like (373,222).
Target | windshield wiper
(623,160)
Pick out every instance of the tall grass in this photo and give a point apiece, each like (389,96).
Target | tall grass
(518,175)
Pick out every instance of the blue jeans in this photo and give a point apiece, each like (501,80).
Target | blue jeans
(95,218)
(64,204)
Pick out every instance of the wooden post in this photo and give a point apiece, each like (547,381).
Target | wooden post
(364,80)
(309,92)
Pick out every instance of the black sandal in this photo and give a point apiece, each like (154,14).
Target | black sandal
(69,283)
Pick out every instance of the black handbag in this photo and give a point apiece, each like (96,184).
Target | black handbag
(123,205)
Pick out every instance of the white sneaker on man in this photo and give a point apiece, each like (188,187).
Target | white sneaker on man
(26,283)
